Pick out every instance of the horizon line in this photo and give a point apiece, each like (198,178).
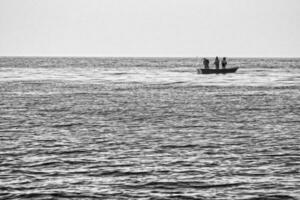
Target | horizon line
(120,56)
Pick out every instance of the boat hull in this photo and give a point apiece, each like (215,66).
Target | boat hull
(217,71)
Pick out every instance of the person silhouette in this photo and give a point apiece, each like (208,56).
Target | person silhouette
(224,63)
(206,63)
(217,62)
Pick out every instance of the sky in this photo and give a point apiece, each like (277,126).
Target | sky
(167,28)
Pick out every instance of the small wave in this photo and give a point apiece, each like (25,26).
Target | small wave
(53,110)
(283,155)
(72,152)
(55,195)
(185,127)
(181,197)
(119,73)
(172,83)
(66,125)
(273,197)
(6,195)
(179,146)
(41,164)
(21,171)
(111,166)
(182,184)
(19,188)
(121,173)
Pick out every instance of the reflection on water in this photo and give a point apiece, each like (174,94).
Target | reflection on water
(148,128)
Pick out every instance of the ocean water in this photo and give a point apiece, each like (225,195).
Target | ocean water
(149,128)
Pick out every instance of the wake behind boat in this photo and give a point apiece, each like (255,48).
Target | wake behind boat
(217,71)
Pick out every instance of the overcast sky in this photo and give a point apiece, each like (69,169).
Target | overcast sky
(186,28)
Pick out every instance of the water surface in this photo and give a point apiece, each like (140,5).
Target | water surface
(148,128)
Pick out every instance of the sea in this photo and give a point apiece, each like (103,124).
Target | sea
(149,129)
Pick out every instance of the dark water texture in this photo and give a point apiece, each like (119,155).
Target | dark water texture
(148,128)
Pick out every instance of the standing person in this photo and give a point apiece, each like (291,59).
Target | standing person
(217,62)
(206,63)
(224,63)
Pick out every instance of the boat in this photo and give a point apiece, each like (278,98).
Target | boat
(217,71)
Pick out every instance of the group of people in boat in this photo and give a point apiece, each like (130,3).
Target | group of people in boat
(216,63)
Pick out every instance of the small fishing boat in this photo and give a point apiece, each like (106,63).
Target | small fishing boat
(217,71)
